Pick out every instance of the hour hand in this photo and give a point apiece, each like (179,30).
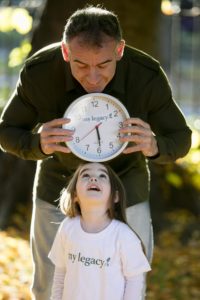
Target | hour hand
(98,135)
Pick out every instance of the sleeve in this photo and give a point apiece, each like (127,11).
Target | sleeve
(134,261)
(18,121)
(58,249)
(166,120)
(134,288)
(58,284)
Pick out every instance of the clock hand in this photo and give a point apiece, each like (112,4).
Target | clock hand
(98,135)
(90,131)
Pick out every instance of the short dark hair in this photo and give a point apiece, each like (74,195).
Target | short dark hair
(92,24)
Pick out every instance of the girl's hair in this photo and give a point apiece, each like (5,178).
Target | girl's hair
(117,209)
(92,24)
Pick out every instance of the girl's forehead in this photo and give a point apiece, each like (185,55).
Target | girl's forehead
(93,167)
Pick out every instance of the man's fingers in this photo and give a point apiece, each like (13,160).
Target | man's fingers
(56,122)
(58,148)
(56,139)
(131,149)
(138,133)
(48,131)
(52,134)
(136,121)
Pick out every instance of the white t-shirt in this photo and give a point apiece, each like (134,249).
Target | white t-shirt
(97,264)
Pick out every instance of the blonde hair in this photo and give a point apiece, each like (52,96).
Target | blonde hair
(117,209)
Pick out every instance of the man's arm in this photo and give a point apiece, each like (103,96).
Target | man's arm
(165,135)
(19,120)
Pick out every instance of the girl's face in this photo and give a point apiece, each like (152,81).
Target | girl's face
(93,187)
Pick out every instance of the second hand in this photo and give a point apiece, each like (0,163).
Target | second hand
(91,131)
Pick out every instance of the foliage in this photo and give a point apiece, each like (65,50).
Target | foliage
(176,265)
(15,25)
(191,162)
(13,18)
(18,54)
(15,266)
(175,271)
(18,20)
(186,171)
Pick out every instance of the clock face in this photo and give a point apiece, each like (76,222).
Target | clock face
(96,119)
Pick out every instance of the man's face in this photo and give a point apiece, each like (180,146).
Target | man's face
(93,67)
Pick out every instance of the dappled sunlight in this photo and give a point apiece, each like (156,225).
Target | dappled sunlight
(18,54)
(12,18)
(169,7)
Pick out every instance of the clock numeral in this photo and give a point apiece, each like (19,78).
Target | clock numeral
(118,135)
(87,147)
(95,103)
(77,139)
(110,115)
(111,145)
(107,106)
(99,150)
(120,124)
(84,109)
(115,113)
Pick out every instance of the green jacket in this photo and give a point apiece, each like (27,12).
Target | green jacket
(46,88)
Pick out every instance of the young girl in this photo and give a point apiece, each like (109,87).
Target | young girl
(95,253)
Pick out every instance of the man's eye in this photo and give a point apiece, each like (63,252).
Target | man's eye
(102,66)
(81,66)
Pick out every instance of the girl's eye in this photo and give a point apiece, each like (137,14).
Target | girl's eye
(85,175)
(103,176)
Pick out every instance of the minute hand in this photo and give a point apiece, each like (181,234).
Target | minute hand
(94,128)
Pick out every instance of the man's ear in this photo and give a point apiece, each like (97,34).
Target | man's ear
(120,49)
(65,51)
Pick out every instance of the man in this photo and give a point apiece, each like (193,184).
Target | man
(92,57)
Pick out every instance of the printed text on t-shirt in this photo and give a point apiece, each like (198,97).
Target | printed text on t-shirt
(88,261)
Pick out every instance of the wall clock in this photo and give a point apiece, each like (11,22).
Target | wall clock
(96,119)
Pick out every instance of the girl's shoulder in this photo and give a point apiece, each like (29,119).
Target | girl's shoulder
(126,233)
(68,223)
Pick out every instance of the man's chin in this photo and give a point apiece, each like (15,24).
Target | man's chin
(93,89)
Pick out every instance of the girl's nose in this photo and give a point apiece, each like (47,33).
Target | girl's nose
(93,179)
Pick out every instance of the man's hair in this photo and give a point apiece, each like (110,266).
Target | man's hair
(92,25)
(117,209)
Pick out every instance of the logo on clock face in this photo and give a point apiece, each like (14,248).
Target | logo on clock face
(96,119)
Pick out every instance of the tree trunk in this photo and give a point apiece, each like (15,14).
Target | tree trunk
(139,20)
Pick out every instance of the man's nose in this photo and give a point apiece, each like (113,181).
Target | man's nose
(93,76)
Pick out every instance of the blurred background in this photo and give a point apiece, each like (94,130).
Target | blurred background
(167,30)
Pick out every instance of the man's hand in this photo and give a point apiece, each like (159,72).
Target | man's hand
(52,134)
(140,134)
